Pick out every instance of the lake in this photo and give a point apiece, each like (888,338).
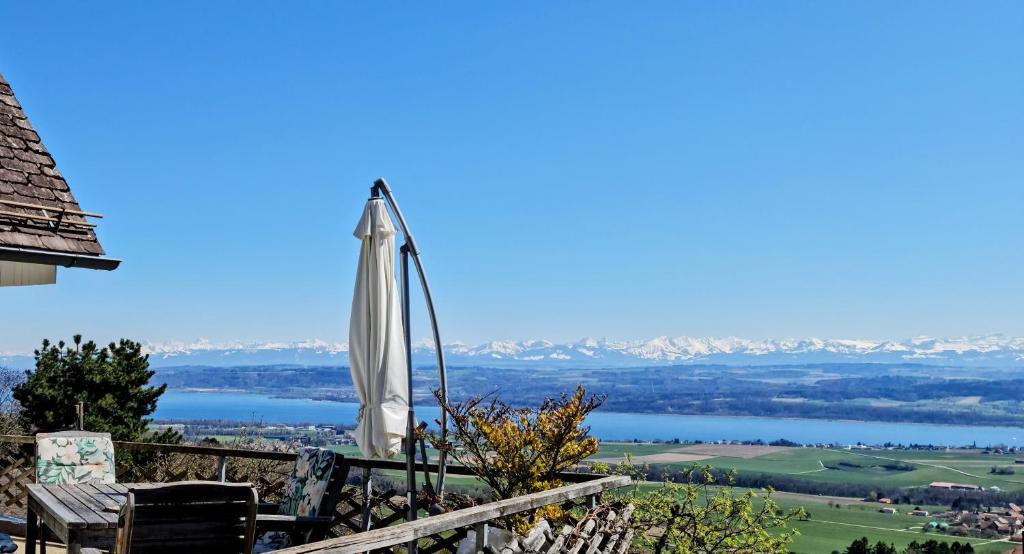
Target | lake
(178,405)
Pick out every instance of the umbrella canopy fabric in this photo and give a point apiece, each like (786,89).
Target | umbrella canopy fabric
(376,338)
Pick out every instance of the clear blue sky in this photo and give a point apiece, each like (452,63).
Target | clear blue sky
(609,169)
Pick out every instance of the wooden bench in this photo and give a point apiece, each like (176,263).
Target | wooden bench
(198,517)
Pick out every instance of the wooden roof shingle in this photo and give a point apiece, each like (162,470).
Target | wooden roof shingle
(29,179)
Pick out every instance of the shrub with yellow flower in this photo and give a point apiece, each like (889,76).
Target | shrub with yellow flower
(518,451)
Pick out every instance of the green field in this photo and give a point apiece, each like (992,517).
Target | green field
(852,466)
(620,449)
(830,528)
(347,450)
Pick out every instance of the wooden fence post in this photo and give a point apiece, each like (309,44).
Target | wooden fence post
(481,537)
(367,489)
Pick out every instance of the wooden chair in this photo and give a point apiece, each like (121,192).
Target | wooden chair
(72,457)
(303,518)
(197,517)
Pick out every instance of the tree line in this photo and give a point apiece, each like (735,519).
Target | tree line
(931,546)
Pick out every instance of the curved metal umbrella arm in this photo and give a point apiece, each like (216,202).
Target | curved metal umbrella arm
(381,188)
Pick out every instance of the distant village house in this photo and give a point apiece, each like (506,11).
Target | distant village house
(954,486)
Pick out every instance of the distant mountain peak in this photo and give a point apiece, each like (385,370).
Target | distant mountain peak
(975,351)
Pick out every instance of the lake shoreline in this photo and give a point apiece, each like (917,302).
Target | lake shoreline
(968,423)
(608,426)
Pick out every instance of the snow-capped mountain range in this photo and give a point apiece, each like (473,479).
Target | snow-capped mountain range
(979,351)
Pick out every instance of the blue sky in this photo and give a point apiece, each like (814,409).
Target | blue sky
(607,169)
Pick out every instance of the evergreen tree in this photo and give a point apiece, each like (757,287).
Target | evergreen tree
(859,546)
(111,382)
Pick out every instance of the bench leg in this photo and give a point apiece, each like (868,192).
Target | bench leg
(43,537)
(30,532)
(74,545)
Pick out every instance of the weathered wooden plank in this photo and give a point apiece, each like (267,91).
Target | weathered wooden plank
(111,500)
(119,488)
(62,514)
(84,492)
(576,546)
(48,521)
(415,530)
(443,543)
(54,521)
(91,519)
(87,495)
(559,542)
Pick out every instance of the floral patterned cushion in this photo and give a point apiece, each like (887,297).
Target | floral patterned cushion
(74,458)
(307,484)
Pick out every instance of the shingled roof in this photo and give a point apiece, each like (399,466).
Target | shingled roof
(40,221)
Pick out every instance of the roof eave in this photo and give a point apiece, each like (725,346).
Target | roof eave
(63,259)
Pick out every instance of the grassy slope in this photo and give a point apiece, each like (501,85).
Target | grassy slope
(620,449)
(834,528)
(831,528)
(804,463)
(822,538)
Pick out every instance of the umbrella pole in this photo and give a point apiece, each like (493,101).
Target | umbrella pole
(410,438)
(380,187)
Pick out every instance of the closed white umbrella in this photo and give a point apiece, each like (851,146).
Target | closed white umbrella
(376,338)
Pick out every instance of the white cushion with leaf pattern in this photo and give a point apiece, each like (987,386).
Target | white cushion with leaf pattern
(74,458)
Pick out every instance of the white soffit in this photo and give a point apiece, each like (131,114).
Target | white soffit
(14,274)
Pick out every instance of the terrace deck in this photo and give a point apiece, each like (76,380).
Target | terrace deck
(353,517)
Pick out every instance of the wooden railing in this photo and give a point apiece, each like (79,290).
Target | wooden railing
(267,471)
(475,517)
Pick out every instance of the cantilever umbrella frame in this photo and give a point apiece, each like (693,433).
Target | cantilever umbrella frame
(409,249)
